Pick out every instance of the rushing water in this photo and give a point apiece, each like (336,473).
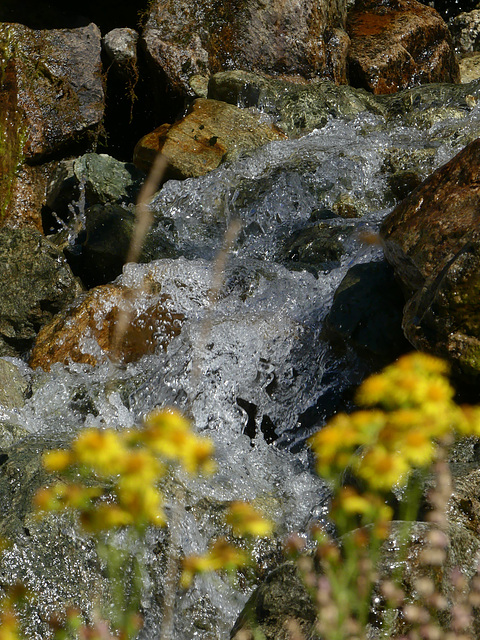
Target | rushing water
(260,356)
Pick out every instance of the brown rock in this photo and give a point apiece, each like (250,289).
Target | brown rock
(432,239)
(211,132)
(51,89)
(86,332)
(398,44)
(287,37)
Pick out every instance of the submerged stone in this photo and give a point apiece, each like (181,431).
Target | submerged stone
(86,332)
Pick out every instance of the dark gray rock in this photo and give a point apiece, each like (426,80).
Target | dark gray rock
(317,248)
(367,313)
(280,598)
(35,283)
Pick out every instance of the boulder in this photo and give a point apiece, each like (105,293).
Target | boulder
(366,313)
(210,133)
(432,239)
(294,38)
(120,46)
(296,108)
(398,44)
(35,283)
(50,99)
(86,331)
(465,30)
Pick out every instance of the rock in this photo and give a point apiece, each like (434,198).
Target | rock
(103,252)
(366,313)
(107,179)
(86,331)
(432,240)
(417,40)
(13,386)
(58,98)
(319,247)
(469,66)
(89,180)
(120,45)
(465,30)
(280,598)
(23,195)
(296,108)
(283,595)
(185,38)
(35,283)
(210,133)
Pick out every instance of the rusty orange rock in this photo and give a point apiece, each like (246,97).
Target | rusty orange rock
(85,333)
(398,44)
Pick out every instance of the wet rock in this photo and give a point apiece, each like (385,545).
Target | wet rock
(317,248)
(469,66)
(35,283)
(428,105)
(367,313)
(432,239)
(86,331)
(185,38)
(210,133)
(57,98)
(77,184)
(282,597)
(465,30)
(102,254)
(295,107)
(13,386)
(23,195)
(417,40)
(107,179)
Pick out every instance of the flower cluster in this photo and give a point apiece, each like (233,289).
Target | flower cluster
(245,522)
(119,471)
(412,408)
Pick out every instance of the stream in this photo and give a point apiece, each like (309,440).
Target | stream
(247,369)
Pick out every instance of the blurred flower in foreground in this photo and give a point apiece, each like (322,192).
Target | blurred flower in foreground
(129,466)
(221,555)
(412,407)
(245,520)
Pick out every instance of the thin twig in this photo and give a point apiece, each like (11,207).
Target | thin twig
(231,235)
(143,222)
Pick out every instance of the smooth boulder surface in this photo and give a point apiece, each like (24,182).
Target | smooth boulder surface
(432,239)
(297,38)
(398,44)
(210,133)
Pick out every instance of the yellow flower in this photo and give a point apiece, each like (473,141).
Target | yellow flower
(143,501)
(245,520)
(57,460)
(382,469)
(170,435)
(221,555)
(105,516)
(9,625)
(102,450)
